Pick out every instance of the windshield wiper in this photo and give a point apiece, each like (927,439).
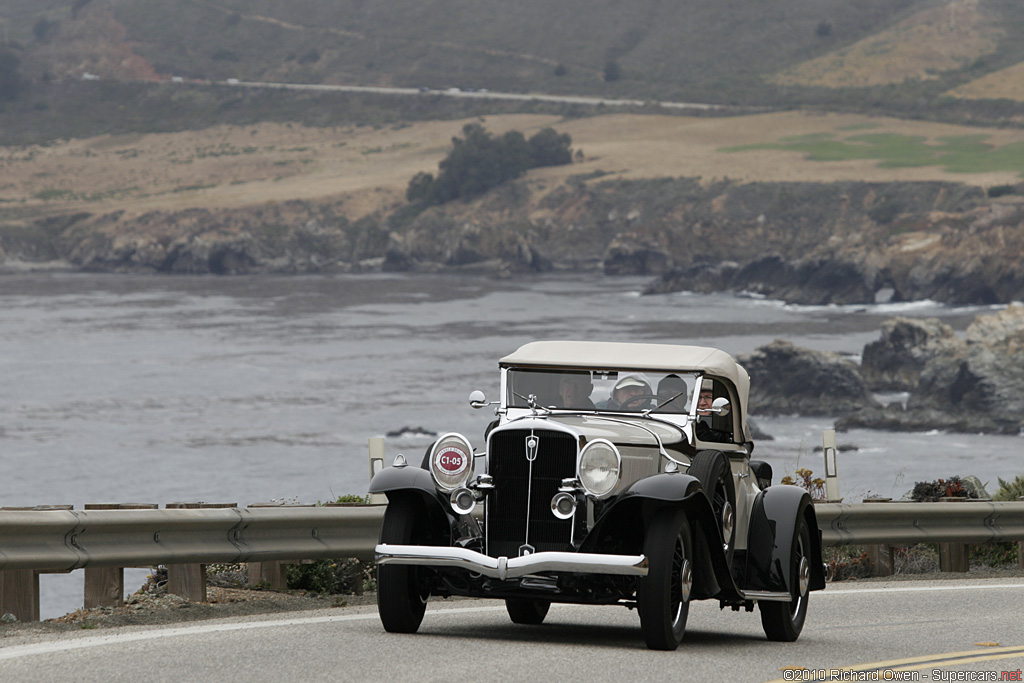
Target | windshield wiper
(665,403)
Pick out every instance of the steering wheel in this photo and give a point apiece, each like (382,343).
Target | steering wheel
(638,397)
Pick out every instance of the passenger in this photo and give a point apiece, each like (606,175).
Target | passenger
(704,404)
(672,394)
(631,392)
(574,387)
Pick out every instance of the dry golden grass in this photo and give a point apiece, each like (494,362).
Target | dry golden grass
(933,40)
(232,166)
(1004,84)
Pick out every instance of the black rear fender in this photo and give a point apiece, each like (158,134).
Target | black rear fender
(770,535)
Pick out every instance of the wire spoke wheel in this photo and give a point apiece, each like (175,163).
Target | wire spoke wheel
(663,596)
(712,469)
(783,621)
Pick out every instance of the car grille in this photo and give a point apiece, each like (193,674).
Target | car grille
(507,506)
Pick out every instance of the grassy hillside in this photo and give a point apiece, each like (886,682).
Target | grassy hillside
(904,57)
(686,47)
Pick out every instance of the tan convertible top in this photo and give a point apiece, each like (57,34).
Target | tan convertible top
(630,356)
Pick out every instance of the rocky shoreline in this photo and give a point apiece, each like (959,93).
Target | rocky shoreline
(809,243)
(973,384)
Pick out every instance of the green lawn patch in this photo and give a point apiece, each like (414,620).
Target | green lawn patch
(958,154)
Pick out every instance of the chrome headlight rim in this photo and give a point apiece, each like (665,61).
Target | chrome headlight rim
(590,450)
(451,461)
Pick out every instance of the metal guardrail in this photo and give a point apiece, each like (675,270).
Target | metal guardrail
(72,539)
(911,523)
(56,540)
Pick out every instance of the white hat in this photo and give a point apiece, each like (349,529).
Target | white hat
(633,381)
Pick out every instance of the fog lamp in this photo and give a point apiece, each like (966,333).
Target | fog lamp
(563,505)
(462,500)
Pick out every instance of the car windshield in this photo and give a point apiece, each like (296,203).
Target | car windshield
(626,391)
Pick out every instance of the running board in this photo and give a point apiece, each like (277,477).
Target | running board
(768,596)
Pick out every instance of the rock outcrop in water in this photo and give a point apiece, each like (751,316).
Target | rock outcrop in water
(974,384)
(787,380)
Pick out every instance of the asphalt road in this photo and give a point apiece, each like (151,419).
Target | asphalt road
(938,630)
(484,95)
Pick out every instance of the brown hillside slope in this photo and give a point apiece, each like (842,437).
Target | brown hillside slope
(1004,84)
(930,41)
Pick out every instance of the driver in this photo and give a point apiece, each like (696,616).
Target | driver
(631,392)
(704,404)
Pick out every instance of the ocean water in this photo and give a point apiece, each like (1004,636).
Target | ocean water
(153,389)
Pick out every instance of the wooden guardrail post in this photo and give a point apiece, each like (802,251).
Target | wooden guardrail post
(272,574)
(19,588)
(104,586)
(880,555)
(882,559)
(189,580)
(19,594)
(954,557)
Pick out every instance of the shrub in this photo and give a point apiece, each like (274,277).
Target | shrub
(916,559)
(1001,554)
(421,188)
(847,562)
(310,57)
(612,71)
(1010,490)
(806,479)
(479,162)
(549,148)
(1003,190)
(352,498)
(940,488)
(11,82)
(330,576)
(43,29)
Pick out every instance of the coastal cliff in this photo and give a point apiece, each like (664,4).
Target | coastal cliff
(811,243)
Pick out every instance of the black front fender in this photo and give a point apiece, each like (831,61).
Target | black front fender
(622,528)
(770,536)
(416,482)
(669,487)
(619,526)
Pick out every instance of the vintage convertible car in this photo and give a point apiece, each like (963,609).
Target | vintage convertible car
(615,474)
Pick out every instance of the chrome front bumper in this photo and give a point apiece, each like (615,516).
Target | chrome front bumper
(502,568)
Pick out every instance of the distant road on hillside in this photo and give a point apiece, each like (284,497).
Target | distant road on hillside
(478,94)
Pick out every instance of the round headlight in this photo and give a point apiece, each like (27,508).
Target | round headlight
(599,467)
(451,461)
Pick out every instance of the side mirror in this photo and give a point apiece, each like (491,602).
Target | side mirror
(478,400)
(721,406)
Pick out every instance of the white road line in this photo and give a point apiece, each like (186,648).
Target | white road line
(19,651)
(916,589)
